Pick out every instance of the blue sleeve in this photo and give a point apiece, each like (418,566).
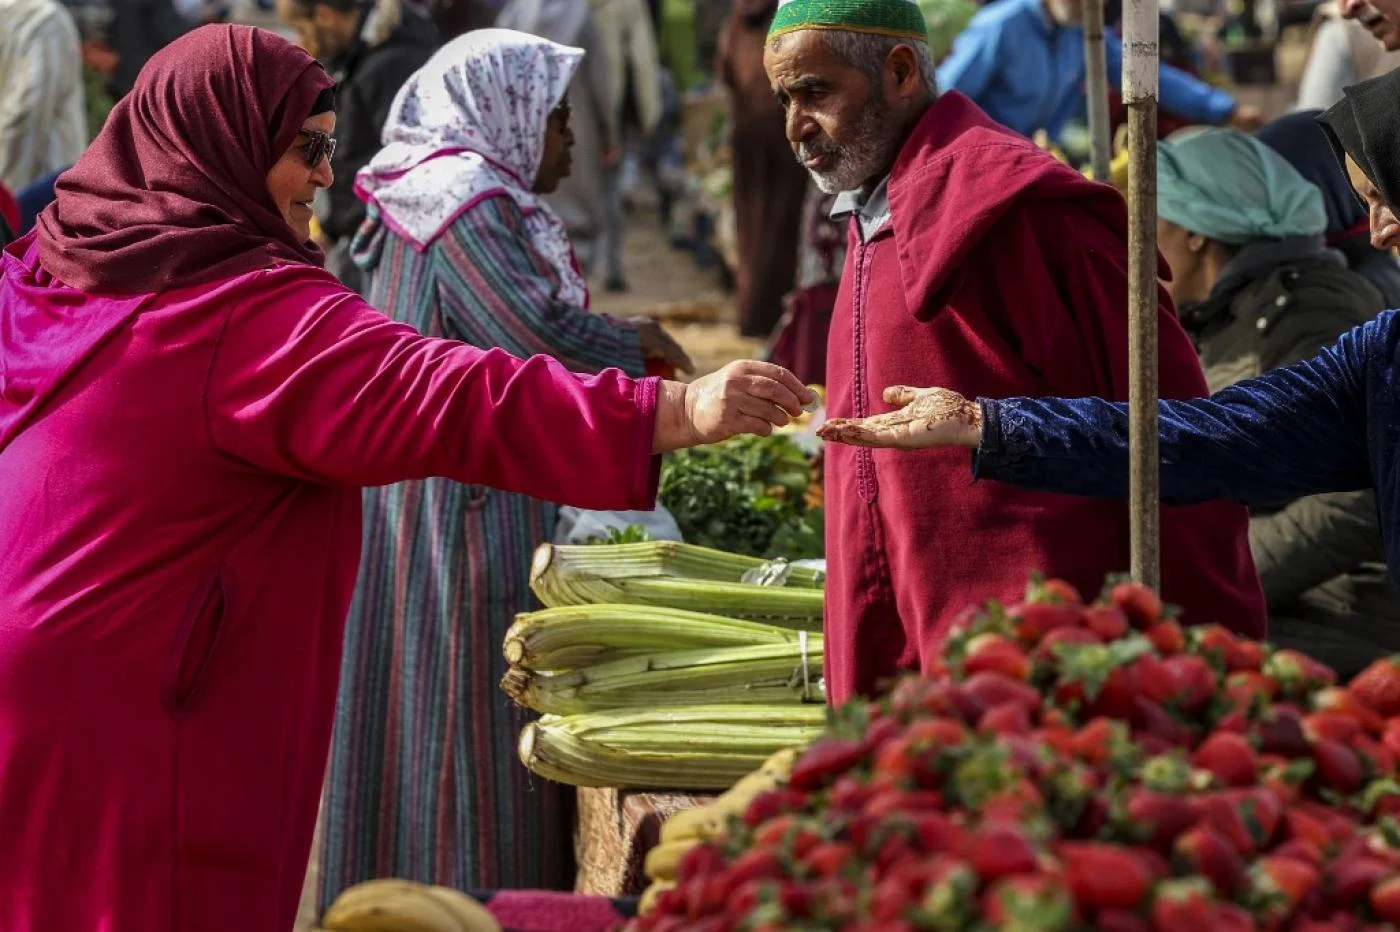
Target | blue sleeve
(971,64)
(1181,94)
(1295,431)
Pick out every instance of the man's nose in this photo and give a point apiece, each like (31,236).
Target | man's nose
(1350,8)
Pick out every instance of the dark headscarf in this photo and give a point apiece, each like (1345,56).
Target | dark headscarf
(1365,124)
(1299,139)
(173,191)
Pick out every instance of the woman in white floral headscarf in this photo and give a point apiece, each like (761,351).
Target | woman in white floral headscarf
(424,779)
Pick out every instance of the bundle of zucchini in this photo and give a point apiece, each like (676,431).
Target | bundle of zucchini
(653,668)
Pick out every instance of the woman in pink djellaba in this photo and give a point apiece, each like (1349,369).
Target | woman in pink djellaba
(189,407)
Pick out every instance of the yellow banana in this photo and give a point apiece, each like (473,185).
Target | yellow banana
(693,825)
(396,910)
(370,891)
(780,764)
(652,894)
(662,861)
(471,916)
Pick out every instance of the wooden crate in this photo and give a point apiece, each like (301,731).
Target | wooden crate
(615,830)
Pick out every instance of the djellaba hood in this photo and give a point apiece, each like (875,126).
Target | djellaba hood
(962,167)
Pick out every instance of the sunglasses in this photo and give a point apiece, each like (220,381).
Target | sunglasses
(321,146)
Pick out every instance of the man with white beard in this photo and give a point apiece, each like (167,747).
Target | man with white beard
(979,263)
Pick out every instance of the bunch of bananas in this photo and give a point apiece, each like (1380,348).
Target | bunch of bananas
(404,906)
(686,829)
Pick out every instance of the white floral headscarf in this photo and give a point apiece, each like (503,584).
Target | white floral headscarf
(468,125)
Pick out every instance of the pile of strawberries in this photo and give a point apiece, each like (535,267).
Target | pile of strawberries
(1071,767)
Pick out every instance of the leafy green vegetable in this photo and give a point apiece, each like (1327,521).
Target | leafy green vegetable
(746,495)
(631,534)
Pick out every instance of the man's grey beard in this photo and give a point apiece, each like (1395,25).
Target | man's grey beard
(869,154)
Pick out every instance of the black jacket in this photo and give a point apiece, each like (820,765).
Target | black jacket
(1320,558)
(369,74)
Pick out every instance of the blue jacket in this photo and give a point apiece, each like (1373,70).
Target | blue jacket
(1326,424)
(1028,73)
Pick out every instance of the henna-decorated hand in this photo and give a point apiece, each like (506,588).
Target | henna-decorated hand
(930,417)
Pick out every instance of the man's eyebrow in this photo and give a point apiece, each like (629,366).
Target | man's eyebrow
(805,83)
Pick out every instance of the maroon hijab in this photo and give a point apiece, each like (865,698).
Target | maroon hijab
(173,191)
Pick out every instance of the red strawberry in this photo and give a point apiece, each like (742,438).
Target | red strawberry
(1281,732)
(775,831)
(1029,901)
(1120,920)
(1107,621)
(1116,697)
(850,794)
(1250,689)
(990,689)
(1104,876)
(1379,686)
(1167,637)
(1385,900)
(1284,882)
(830,858)
(1299,850)
(1230,757)
(701,860)
(1298,674)
(1206,852)
(1000,850)
(892,802)
(1301,825)
(1060,741)
(1142,606)
(1376,759)
(997,654)
(1046,649)
(1032,621)
(1338,765)
(1245,818)
(1195,682)
(1161,817)
(1351,879)
(767,806)
(949,900)
(1334,726)
(1150,718)
(824,761)
(1230,651)
(937,833)
(1099,740)
(754,865)
(1054,590)
(1009,718)
(1390,738)
(1346,702)
(937,732)
(1186,905)
(1232,918)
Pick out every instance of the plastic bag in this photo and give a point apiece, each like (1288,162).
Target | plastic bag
(578,526)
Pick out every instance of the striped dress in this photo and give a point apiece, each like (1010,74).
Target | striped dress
(424,780)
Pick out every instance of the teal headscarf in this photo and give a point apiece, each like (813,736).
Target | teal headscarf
(1230,187)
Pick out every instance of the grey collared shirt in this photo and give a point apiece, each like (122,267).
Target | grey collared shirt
(872,210)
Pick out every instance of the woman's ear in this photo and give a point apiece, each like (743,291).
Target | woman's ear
(1196,243)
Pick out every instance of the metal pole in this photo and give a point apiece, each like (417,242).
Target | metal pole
(1096,87)
(1140,96)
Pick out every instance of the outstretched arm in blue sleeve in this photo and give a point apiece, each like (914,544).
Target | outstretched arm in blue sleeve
(1294,431)
(1182,94)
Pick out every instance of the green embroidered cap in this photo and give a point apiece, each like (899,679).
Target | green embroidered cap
(901,18)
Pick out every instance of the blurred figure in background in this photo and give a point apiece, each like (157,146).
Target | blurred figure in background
(1257,289)
(1343,52)
(582,199)
(1301,140)
(455,17)
(1022,61)
(769,184)
(138,29)
(634,70)
(43,119)
(370,47)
